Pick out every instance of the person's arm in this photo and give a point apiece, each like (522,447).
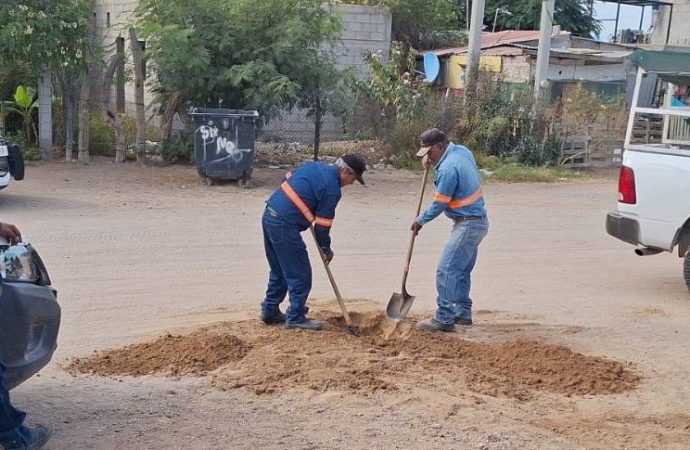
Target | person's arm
(10,232)
(325,214)
(445,188)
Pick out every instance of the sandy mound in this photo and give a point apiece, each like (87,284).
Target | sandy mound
(196,353)
(384,357)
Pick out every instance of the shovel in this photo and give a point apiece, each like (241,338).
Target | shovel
(351,327)
(399,304)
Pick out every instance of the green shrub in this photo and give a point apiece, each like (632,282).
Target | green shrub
(179,149)
(30,152)
(101,136)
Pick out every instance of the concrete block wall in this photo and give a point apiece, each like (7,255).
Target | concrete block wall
(680,33)
(112,17)
(365,29)
(516,69)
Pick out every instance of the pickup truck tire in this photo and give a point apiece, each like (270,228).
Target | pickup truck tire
(16,162)
(686,268)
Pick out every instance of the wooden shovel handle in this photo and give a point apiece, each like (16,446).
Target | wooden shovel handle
(419,209)
(331,278)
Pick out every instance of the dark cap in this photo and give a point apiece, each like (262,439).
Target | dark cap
(428,139)
(357,164)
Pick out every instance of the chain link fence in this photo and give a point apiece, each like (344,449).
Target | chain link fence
(290,138)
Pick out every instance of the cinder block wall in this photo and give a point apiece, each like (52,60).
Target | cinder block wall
(365,29)
(680,34)
(112,17)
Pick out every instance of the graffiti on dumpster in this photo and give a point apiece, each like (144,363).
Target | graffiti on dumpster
(225,148)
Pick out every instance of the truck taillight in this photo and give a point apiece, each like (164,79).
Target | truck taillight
(626,186)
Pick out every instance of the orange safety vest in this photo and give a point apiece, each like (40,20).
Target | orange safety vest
(301,206)
(459,203)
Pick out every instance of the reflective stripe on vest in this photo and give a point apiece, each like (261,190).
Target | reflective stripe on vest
(442,198)
(303,208)
(322,221)
(297,201)
(467,200)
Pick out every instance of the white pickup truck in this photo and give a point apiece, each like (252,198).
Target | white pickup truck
(654,184)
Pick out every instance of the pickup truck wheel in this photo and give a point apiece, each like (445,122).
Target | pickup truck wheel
(16,162)
(686,268)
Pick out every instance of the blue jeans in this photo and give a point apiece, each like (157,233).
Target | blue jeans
(290,268)
(13,434)
(454,270)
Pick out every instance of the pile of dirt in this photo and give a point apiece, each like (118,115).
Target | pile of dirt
(385,356)
(197,354)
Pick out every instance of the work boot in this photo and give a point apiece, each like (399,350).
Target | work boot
(40,436)
(306,324)
(26,438)
(434,325)
(467,321)
(273,318)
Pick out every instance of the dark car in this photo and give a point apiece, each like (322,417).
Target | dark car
(29,313)
(11,162)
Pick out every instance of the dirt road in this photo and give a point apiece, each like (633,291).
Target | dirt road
(139,252)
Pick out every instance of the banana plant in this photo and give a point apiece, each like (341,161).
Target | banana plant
(24,103)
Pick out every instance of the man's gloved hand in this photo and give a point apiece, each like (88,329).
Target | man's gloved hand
(416,227)
(11,233)
(327,255)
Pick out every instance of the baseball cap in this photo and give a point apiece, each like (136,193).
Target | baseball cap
(428,139)
(357,164)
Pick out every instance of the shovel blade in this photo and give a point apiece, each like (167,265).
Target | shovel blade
(399,305)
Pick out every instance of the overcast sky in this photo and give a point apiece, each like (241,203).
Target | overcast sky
(629,18)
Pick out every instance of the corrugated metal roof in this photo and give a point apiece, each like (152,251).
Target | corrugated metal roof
(492,40)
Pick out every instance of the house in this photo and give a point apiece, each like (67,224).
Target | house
(511,56)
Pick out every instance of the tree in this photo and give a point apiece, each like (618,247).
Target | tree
(50,35)
(240,54)
(571,15)
(24,104)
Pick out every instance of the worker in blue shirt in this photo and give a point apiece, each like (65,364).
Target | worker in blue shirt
(14,434)
(308,195)
(459,195)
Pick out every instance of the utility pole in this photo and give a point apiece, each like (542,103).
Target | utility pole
(474,46)
(544,50)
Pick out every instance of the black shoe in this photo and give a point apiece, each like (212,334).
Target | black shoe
(308,324)
(272,319)
(463,321)
(40,436)
(434,325)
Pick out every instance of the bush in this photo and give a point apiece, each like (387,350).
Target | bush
(180,148)
(30,152)
(101,136)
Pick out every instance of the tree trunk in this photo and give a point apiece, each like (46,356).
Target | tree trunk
(182,114)
(139,94)
(84,112)
(68,103)
(317,128)
(45,116)
(169,110)
(113,119)
(85,82)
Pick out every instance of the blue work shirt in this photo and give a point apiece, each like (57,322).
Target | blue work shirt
(458,186)
(317,185)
